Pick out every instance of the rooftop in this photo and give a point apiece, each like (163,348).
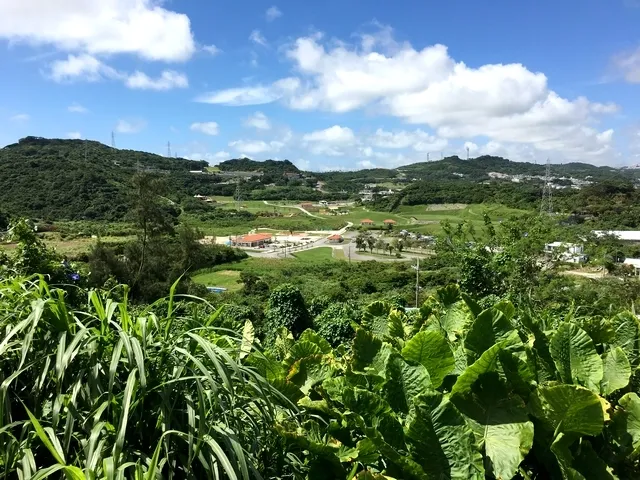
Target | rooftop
(335,237)
(624,235)
(366,220)
(256,237)
(389,220)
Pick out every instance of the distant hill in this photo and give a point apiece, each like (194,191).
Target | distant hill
(275,167)
(80,179)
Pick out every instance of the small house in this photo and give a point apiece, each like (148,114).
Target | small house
(335,239)
(566,252)
(366,222)
(389,222)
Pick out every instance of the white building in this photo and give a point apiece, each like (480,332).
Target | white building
(633,262)
(566,252)
(622,235)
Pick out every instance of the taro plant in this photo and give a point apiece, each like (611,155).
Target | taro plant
(463,392)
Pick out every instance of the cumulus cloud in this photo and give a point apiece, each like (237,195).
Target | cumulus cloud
(331,141)
(254,147)
(208,128)
(418,140)
(259,121)
(81,67)
(506,103)
(74,135)
(76,108)
(137,27)
(167,80)
(257,37)
(130,126)
(212,158)
(272,13)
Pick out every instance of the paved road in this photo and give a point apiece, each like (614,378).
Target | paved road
(293,206)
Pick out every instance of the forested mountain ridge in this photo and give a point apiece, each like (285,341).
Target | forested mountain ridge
(266,166)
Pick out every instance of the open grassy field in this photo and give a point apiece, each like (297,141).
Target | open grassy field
(322,254)
(71,247)
(224,278)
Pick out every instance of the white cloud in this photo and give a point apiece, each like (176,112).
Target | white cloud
(211,49)
(609,107)
(167,80)
(254,147)
(335,135)
(628,65)
(76,108)
(272,13)
(257,37)
(81,67)
(208,128)
(137,27)
(74,135)
(258,121)
(419,140)
(130,126)
(212,158)
(506,103)
(21,117)
(256,95)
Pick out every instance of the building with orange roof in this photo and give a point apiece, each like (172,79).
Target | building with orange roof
(366,222)
(335,239)
(389,221)
(252,240)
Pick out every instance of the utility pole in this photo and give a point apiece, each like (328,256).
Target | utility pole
(113,139)
(546,206)
(169,149)
(238,195)
(417,279)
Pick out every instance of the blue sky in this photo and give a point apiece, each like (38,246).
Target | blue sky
(328,85)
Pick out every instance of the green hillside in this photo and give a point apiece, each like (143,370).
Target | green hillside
(80,179)
(266,166)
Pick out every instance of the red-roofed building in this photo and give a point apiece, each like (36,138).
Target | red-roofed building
(335,239)
(366,222)
(389,222)
(253,240)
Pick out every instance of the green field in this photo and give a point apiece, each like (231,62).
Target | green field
(321,254)
(223,278)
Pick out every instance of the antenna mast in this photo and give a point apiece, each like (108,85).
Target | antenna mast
(113,139)
(169,149)
(238,199)
(547,196)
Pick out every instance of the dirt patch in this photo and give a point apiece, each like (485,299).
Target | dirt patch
(445,206)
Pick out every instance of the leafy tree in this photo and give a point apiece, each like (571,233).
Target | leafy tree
(286,308)
(335,324)
(371,242)
(380,245)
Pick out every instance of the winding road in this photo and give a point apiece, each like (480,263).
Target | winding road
(293,206)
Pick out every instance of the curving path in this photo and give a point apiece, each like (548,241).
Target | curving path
(293,206)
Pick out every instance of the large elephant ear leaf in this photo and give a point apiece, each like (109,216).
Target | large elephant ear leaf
(500,423)
(449,295)
(627,336)
(455,319)
(310,371)
(626,423)
(431,350)
(489,328)
(404,383)
(568,408)
(617,371)
(576,357)
(375,318)
(369,353)
(439,438)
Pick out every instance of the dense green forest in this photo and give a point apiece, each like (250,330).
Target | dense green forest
(277,167)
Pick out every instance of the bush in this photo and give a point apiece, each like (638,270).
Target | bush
(335,323)
(286,308)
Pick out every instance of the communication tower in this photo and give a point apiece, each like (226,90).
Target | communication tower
(547,196)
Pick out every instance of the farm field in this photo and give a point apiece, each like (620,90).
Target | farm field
(224,278)
(74,246)
(321,254)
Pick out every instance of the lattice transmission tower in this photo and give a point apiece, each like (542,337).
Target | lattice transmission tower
(547,196)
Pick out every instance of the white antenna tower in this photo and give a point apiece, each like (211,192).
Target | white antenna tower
(113,139)
(547,196)
(169,149)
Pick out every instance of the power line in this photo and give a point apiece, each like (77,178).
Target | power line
(546,206)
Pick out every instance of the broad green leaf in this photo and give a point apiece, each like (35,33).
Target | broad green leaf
(311,336)
(627,336)
(309,371)
(560,449)
(57,453)
(489,328)
(376,413)
(507,308)
(455,319)
(449,295)
(488,362)
(575,357)
(404,383)
(440,440)
(474,307)
(369,353)
(626,420)
(500,422)
(396,324)
(617,371)
(301,349)
(431,350)
(375,318)
(568,408)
